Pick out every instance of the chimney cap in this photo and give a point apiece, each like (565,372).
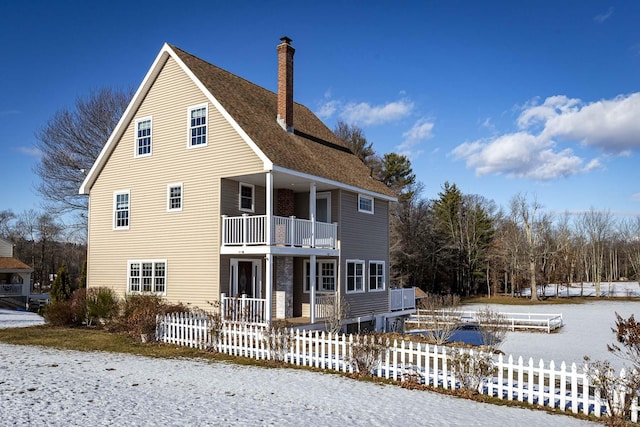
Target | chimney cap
(285,40)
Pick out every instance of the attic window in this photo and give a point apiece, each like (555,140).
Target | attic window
(198,126)
(143,137)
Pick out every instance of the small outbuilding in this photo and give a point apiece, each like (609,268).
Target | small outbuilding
(15,278)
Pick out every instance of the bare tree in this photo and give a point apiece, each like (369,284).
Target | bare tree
(532,221)
(597,227)
(71,141)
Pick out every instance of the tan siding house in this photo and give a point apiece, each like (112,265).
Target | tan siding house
(213,189)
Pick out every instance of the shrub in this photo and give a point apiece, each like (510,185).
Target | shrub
(59,313)
(140,312)
(366,354)
(102,305)
(439,317)
(78,305)
(279,340)
(470,368)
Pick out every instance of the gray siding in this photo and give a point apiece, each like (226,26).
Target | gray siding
(364,237)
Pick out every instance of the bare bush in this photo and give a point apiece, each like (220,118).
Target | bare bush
(619,391)
(339,312)
(493,327)
(366,354)
(471,368)
(439,317)
(279,339)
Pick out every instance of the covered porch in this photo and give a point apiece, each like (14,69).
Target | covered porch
(280,217)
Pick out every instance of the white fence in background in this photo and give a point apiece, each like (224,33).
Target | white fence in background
(564,388)
(514,321)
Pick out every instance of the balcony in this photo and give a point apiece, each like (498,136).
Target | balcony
(255,230)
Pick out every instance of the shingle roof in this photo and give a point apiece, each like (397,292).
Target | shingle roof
(312,149)
(7,263)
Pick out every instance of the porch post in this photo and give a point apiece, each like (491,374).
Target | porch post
(312,212)
(269,286)
(312,288)
(269,208)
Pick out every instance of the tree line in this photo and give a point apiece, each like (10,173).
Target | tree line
(465,244)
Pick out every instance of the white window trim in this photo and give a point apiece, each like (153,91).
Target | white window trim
(153,277)
(206,113)
(362,196)
(384,276)
(114,210)
(253,197)
(346,276)
(319,276)
(143,119)
(169,187)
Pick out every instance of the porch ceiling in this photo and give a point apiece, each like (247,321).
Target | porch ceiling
(283,180)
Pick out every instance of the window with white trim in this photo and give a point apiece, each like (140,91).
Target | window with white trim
(365,204)
(325,276)
(147,277)
(198,126)
(376,275)
(143,137)
(355,276)
(121,210)
(174,197)
(246,197)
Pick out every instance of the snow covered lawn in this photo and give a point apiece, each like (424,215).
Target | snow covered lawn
(42,386)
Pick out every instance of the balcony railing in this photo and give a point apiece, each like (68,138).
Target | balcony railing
(249,230)
(402,299)
(11,289)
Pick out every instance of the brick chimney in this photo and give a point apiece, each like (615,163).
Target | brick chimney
(285,83)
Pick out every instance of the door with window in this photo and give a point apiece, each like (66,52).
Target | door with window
(323,207)
(246,277)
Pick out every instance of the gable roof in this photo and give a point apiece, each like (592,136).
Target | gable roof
(7,263)
(311,150)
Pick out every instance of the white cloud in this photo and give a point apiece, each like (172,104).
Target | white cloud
(603,16)
(419,132)
(327,109)
(611,126)
(366,114)
(363,113)
(635,197)
(30,151)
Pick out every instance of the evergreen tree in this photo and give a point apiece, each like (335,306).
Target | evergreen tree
(61,287)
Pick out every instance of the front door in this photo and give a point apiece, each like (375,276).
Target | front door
(246,277)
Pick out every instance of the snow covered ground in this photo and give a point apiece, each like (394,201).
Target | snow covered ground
(43,386)
(586,331)
(588,289)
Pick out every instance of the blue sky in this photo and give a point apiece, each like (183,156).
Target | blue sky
(498,97)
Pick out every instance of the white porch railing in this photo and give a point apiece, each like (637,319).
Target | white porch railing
(285,231)
(326,306)
(243,309)
(402,299)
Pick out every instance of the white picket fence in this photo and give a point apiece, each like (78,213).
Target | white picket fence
(566,388)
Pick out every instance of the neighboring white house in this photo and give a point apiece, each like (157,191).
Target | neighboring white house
(15,277)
